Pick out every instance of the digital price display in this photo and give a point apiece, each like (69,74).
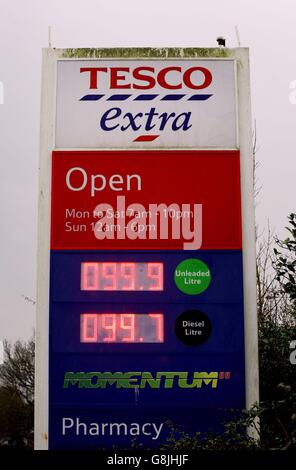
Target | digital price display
(121,328)
(112,276)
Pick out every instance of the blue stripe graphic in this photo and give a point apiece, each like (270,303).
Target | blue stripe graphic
(145,97)
(118,97)
(199,97)
(91,97)
(172,97)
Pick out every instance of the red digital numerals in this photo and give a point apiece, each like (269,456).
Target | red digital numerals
(112,276)
(121,328)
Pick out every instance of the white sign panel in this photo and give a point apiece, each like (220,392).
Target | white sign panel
(146,104)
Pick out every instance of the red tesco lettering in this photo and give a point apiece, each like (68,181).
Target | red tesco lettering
(145,78)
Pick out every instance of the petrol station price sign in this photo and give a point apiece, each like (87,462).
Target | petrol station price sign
(146,298)
(146,276)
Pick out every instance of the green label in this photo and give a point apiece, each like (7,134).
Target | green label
(147,379)
(192,276)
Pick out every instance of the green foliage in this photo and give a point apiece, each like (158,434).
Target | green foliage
(147,52)
(278,420)
(269,425)
(233,437)
(276,331)
(285,264)
(17,373)
(17,394)
(274,418)
(16,419)
(274,352)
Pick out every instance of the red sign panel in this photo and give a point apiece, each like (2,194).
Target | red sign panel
(145,200)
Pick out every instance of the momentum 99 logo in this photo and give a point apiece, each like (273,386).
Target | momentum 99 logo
(135,103)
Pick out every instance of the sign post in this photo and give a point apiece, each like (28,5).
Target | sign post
(146,285)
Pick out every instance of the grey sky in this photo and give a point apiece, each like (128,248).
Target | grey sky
(267,27)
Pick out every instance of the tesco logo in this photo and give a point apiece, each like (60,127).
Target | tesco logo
(145,78)
(138,86)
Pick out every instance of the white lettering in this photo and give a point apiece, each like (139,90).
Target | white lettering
(114,180)
(94,429)
(68,176)
(157,430)
(77,180)
(292,96)
(95,188)
(147,223)
(67,426)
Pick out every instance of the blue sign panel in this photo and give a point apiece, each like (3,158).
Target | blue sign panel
(124,364)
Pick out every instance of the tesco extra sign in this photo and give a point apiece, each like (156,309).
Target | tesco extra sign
(146,104)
